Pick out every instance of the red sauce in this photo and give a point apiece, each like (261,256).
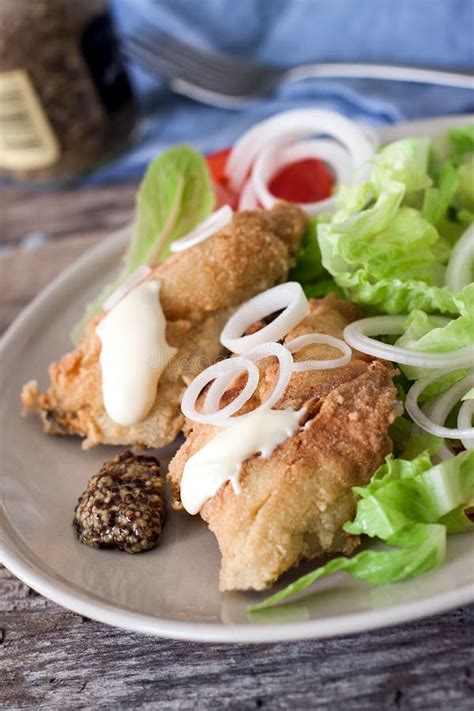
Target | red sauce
(307,180)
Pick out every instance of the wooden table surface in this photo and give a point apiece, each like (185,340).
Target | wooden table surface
(54,659)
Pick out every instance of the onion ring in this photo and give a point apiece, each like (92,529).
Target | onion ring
(424,421)
(215,222)
(272,159)
(223,368)
(357,334)
(289,296)
(465,415)
(461,261)
(248,199)
(296,125)
(266,350)
(301,341)
(133,280)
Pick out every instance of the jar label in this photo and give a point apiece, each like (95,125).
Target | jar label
(27,140)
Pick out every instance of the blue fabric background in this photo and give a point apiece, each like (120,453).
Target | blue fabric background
(288,32)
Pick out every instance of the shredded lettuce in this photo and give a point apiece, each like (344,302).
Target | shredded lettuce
(388,243)
(410,506)
(175,195)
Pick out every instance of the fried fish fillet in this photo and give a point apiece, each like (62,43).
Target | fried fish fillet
(292,505)
(200,287)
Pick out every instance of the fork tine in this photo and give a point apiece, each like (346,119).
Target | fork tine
(171,68)
(169,46)
(143,46)
(167,71)
(151,63)
(190,71)
(191,59)
(173,59)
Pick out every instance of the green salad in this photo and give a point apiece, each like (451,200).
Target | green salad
(401,243)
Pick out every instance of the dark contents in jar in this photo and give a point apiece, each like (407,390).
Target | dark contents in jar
(69,53)
(123,506)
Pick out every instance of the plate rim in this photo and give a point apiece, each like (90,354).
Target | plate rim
(34,574)
(76,600)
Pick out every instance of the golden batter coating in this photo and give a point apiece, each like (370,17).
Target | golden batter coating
(292,505)
(200,287)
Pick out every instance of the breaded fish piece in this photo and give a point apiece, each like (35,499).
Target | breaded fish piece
(292,505)
(200,287)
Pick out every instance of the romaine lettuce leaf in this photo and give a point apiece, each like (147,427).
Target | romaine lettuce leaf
(410,506)
(411,492)
(175,195)
(416,550)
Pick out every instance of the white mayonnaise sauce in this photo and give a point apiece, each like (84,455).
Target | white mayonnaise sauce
(134,353)
(221,458)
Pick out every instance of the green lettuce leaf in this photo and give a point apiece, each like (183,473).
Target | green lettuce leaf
(463,198)
(458,521)
(412,491)
(437,200)
(389,241)
(308,266)
(308,269)
(175,195)
(419,443)
(410,506)
(404,161)
(417,549)
(461,140)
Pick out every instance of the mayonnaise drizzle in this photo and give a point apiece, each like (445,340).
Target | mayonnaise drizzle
(221,458)
(134,353)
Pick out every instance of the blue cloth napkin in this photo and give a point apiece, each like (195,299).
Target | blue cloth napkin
(286,33)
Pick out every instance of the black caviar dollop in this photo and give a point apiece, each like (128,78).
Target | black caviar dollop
(123,506)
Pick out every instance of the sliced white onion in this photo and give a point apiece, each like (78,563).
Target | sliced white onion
(465,415)
(289,296)
(372,136)
(357,334)
(461,261)
(426,422)
(133,280)
(266,350)
(294,126)
(301,341)
(215,222)
(275,157)
(222,369)
(445,452)
(439,409)
(248,199)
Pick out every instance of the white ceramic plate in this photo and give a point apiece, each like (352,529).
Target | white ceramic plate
(172,590)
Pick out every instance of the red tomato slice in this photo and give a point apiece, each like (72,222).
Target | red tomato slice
(216,162)
(304,181)
(307,180)
(224,195)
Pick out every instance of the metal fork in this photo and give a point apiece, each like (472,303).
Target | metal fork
(220,80)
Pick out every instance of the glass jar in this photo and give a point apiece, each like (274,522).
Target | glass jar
(65,100)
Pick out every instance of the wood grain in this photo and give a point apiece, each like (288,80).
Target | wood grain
(89,211)
(54,659)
